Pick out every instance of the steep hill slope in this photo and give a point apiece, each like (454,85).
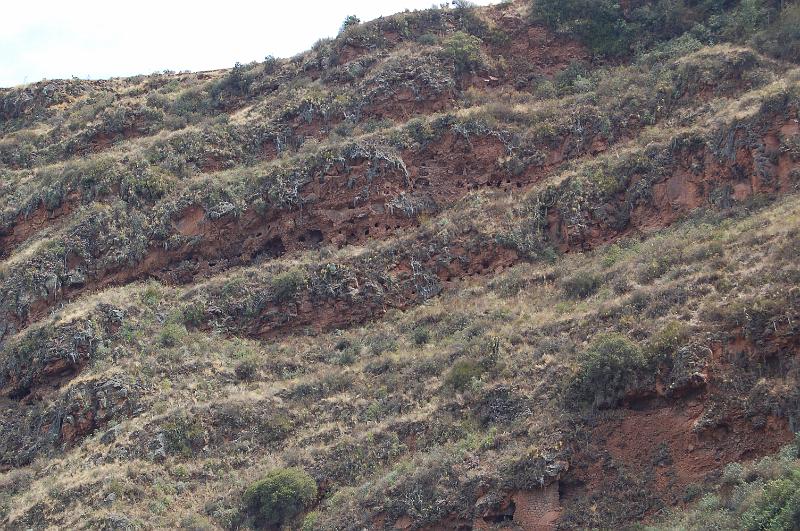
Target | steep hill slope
(529,266)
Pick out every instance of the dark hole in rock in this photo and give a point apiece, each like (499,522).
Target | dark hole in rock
(273,248)
(506,515)
(314,236)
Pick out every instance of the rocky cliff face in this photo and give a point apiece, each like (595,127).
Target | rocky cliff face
(465,268)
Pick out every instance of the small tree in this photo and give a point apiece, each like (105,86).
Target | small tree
(283,494)
(271,64)
(351,20)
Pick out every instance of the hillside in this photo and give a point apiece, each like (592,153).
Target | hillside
(528,266)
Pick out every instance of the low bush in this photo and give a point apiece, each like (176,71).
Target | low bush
(235,84)
(151,294)
(171,335)
(286,285)
(281,496)
(667,340)
(609,368)
(421,336)
(194,313)
(462,374)
(183,435)
(581,285)
(246,369)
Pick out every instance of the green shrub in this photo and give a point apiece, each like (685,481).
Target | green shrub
(609,28)
(420,131)
(246,369)
(464,50)
(421,336)
(667,340)
(782,38)
(151,294)
(498,37)
(762,495)
(427,39)
(171,335)
(380,343)
(286,285)
(196,522)
(351,20)
(581,285)
(655,266)
(310,521)
(462,374)
(743,21)
(567,79)
(235,84)
(194,313)
(189,102)
(271,64)
(691,492)
(779,506)
(611,366)
(282,495)
(184,435)
(347,356)
(599,24)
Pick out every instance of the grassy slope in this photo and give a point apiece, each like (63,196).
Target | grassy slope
(434,370)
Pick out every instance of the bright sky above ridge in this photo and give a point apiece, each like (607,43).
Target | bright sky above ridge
(49,39)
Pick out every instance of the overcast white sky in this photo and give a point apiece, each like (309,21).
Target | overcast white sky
(47,39)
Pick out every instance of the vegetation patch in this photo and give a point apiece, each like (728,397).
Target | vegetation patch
(282,495)
(609,369)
